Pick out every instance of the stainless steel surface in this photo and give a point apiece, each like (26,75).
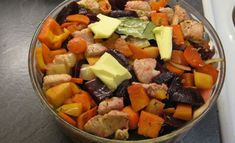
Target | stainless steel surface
(23,119)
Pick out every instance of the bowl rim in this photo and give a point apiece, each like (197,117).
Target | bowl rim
(216,91)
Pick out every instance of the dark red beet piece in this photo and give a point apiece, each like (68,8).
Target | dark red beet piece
(166,129)
(77,67)
(118,4)
(98,90)
(71,8)
(170,120)
(121,91)
(165,77)
(119,57)
(188,96)
(175,85)
(122,13)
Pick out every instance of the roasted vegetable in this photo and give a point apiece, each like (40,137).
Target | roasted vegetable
(183,112)
(98,90)
(122,13)
(164,77)
(119,57)
(187,95)
(139,98)
(149,124)
(71,8)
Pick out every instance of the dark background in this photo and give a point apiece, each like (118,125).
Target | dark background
(22,117)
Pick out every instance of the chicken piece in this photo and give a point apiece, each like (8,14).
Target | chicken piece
(96,49)
(152,88)
(169,12)
(145,69)
(92,5)
(52,80)
(114,103)
(142,8)
(106,125)
(192,29)
(86,34)
(179,15)
(69,59)
(121,134)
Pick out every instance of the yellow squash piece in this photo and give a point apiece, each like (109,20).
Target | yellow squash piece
(58,94)
(203,80)
(73,109)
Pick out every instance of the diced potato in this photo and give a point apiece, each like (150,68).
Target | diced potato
(202,80)
(155,107)
(58,94)
(73,109)
(57,69)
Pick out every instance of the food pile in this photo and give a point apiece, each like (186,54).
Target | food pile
(121,69)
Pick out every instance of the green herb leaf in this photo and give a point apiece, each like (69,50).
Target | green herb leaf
(148,32)
(132,27)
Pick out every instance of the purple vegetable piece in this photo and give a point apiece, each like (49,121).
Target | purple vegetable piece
(71,8)
(122,13)
(118,4)
(170,120)
(166,129)
(76,69)
(65,43)
(121,91)
(165,77)
(119,57)
(188,96)
(206,53)
(98,90)
(175,85)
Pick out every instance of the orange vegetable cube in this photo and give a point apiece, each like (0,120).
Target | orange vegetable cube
(183,112)
(84,117)
(133,117)
(138,96)
(149,124)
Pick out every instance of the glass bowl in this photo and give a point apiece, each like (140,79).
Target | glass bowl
(78,135)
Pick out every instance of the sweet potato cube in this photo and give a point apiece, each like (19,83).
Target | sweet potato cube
(139,98)
(183,112)
(149,124)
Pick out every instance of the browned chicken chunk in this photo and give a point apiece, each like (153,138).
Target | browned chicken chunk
(96,49)
(106,125)
(142,8)
(192,29)
(114,103)
(86,34)
(145,69)
(179,15)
